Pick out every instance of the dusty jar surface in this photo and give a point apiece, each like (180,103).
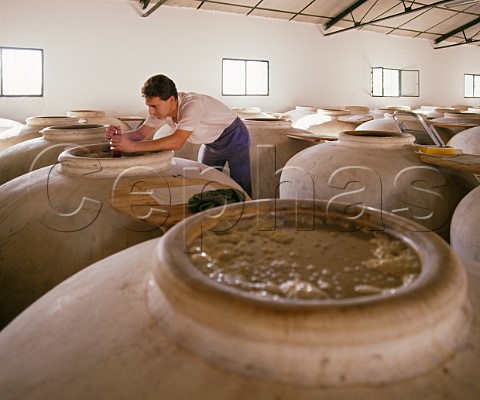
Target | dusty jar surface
(157,329)
(381,170)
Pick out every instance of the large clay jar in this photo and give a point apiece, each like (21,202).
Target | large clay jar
(326,122)
(6,124)
(454,122)
(31,129)
(299,112)
(98,117)
(468,141)
(39,152)
(385,124)
(465,229)
(270,149)
(149,321)
(379,170)
(379,113)
(59,219)
(429,112)
(252,112)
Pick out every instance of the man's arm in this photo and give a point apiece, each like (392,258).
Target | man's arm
(133,141)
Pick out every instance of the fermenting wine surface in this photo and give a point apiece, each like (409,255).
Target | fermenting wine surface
(326,262)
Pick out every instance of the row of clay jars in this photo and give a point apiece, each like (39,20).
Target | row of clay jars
(379,170)
(59,219)
(388,124)
(33,154)
(145,321)
(328,123)
(31,129)
(270,149)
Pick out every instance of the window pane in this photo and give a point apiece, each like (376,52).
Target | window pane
(468,85)
(242,77)
(22,72)
(257,77)
(409,83)
(476,86)
(377,81)
(391,82)
(234,77)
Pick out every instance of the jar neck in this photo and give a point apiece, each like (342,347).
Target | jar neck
(312,343)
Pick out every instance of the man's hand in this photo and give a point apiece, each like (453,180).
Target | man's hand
(123,143)
(112,130)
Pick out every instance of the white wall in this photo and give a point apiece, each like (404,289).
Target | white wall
(99,53)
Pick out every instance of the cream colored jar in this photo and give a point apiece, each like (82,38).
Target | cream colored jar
(453,123)
(385,124)
(252,112)
(36,153)
(326,122)
(270,149)
(98,117)
(31,129)
(145,321)
(300,112)
(468,141)
(379,170)
(465,228)
(61,218)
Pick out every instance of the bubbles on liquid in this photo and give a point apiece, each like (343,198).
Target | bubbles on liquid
(295,264)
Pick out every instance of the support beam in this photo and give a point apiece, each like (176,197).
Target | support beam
(456,44)
(457,30)
(154,7)
(342,14)
(407,11)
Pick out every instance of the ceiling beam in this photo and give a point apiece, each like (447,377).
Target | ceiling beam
(342,14)
(457,30)
(456,44)
(408,10)
(154,7)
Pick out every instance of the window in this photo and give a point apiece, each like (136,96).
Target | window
(472,85)
(389,82)
(21,72)
(244,77)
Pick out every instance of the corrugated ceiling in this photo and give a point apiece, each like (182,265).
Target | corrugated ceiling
(442,22)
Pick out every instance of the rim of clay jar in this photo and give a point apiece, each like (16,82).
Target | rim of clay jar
(74,162)
(365,340)
(306,108)
(375,139)
(75,132)
(49,120)
(268,122)
(333,112)
(462,115)
(355,109)
(86,113)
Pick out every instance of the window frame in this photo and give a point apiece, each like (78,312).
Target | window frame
(42,88)
(246,61)
(475,91)
(401,80)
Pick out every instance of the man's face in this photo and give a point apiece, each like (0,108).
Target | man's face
(160,108)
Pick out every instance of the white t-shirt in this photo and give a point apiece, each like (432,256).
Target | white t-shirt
(205,116)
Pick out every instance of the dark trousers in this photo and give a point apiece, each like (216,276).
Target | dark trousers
(233,146)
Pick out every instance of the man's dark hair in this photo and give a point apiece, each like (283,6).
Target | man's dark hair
(159,86)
